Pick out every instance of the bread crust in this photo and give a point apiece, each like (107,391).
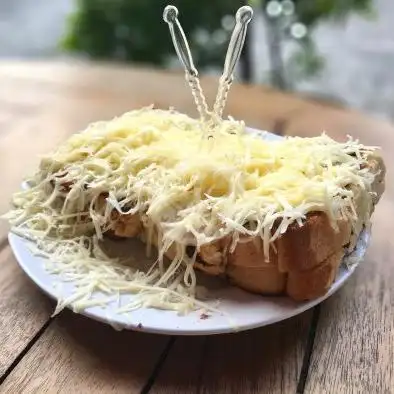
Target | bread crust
(253,279)
(302,263)
(311,254)
(302,248)
(315,282)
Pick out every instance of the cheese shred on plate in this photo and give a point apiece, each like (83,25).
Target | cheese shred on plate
(186,190)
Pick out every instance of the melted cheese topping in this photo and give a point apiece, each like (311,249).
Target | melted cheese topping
(189,189)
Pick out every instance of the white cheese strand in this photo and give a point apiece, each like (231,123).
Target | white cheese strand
(156,164)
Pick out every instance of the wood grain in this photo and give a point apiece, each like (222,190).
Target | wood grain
(132,88)
(266,360)
(78,355)
(29,130)
(40,105)
(23,310)
(354,344)
(63,99)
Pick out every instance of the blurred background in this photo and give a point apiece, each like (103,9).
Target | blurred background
(341,51)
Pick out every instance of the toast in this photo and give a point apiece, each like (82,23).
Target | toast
(303,262)
(307,257)
(274,217)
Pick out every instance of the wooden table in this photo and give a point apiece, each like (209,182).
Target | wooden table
(346,345)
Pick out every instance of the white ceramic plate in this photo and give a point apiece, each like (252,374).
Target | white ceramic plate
(241,310)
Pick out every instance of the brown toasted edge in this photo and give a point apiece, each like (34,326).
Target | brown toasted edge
(311,254)
(315,282)
(306,259)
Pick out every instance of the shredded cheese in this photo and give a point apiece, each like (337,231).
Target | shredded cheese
(185,189)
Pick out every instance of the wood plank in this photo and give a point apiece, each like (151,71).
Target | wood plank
(29,129)
(71,96)
(79,355)
(23,310)
(257,105)
(354,345)
(266,360)
(81,95)
(33,119)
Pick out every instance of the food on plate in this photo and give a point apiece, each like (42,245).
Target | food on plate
(274,217)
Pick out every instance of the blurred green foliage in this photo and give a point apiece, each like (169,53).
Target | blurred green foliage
(311,12)
(134,30)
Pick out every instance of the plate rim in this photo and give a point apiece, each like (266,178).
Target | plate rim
(200,330)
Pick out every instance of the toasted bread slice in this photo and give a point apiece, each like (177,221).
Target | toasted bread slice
(313,283)
(303,262)
(254,279)
(309,255)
